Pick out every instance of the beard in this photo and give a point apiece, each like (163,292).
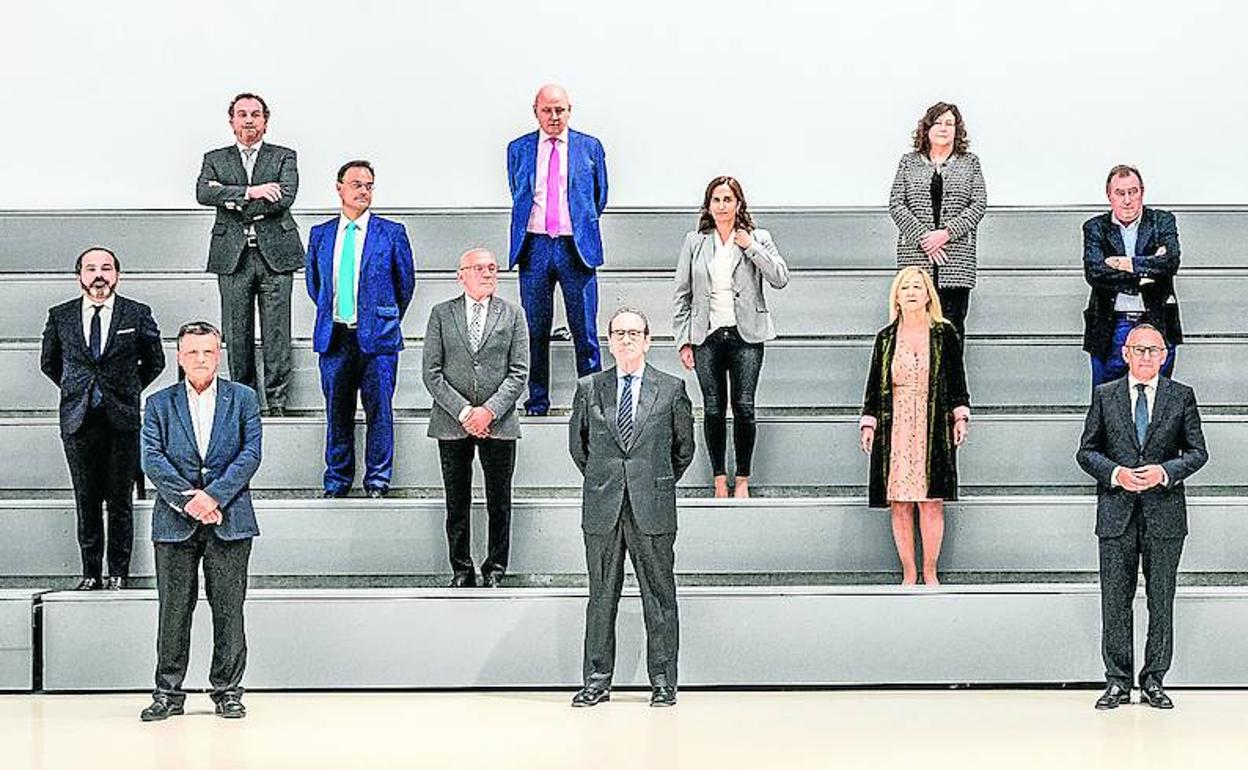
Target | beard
(95,286)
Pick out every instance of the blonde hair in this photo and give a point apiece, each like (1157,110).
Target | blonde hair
(933,299)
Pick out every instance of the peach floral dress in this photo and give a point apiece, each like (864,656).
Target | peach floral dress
(907,461)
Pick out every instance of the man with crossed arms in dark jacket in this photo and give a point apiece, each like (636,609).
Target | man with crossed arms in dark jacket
(1141,440)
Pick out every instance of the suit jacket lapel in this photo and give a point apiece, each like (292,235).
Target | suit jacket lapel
(1161,407)
(491,319)
(1114,235)
(225,398)
(112,326)
(607,398)
(1122,402)
(1142,237)
(530,159)
(371,245)
(645,406)
(182,406)
(263,158)
(459,314)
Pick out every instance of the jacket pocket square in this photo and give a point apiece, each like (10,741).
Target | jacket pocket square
(126,331)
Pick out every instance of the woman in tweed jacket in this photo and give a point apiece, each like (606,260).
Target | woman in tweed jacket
(937,200)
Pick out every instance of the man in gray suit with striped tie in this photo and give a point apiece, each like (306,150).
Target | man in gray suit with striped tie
(1141,440)
(476,364)
(631,435)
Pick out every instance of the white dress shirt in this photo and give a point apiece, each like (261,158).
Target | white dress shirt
(636,387)
(106,320)
(249,166)
(362,224)
(203,408)
(1150,398)
(1124,302)
(722,302)
(537,217)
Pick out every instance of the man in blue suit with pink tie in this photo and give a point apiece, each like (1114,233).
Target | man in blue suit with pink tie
(361,276)
(558,181)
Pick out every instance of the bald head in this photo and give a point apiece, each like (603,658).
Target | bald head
(552,109)
(478,273)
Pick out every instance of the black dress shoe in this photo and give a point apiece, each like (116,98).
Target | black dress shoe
(561,334)
(333,494)
(1114,696)
(663,696)
(376,492)
(1156,697)
(231,707)
(491,579)
(116,583)
(160,710)
(464,580)
(590,696)
(89,584)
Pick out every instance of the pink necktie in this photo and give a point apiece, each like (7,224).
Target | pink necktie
(552,191)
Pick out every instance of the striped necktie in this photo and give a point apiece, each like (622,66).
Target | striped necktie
(624,417)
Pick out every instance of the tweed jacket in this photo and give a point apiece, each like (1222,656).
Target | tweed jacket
(760,262)
(962,206)
(946,395)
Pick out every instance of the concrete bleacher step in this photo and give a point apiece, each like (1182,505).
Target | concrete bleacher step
(647,239)
(17,639)
(766,538)
(1018,302)
(454,638)
(816,372)
(814,450)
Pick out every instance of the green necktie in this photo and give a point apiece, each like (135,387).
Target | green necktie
(345,292)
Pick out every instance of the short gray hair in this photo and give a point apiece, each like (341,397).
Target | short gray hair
(629,309)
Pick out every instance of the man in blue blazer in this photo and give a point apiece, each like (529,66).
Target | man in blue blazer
(361,276)
(560,242)
(201,446)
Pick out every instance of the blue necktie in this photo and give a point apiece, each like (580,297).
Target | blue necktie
(624,418)
(1141,413)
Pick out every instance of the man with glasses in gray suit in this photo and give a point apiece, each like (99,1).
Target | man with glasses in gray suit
(476,364)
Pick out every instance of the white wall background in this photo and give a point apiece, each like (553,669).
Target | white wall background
(111,105)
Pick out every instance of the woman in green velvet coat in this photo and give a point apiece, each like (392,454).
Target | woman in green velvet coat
(915,414)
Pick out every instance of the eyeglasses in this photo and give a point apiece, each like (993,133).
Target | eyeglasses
(481,269)
(1145,351)
(632,334)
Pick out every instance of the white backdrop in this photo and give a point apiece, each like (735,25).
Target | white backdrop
(111,105)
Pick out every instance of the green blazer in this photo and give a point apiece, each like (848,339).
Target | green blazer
(946,391)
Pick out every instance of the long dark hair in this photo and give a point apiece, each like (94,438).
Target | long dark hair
(960,140)
(706,222)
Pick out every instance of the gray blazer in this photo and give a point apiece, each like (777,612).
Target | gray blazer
(223,184)
(762,261)
(1174,441)
(648,468)
(493,376)
(962,205)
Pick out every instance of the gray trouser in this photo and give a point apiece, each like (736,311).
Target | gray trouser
(252,283)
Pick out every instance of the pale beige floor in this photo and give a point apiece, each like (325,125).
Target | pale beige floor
(458,731)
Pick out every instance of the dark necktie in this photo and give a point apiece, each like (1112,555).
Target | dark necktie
(95,339)
(1141,413)
(624,418)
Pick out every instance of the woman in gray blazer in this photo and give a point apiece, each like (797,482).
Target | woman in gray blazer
(937,200)
(722,320)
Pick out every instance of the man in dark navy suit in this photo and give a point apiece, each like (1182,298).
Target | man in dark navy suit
(1141,440)
(101,350)
(201,446)
(360,274)
(558,181)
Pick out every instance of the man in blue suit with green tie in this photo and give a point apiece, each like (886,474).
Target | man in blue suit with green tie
(361,276)
(558,181)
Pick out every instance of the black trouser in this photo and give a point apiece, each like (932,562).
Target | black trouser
(498,461)
(103,462)
(722,357)
(252,283)
(955,302)
(654,560)
(1121,558)
(177,585)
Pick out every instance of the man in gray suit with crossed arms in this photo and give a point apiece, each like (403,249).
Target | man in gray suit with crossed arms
(631,435)
(1141,440)
(255,246)
(476,364)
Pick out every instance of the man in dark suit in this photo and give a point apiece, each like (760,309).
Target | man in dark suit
(101,350)
(255,246)
(631,436)
(1130,256)
(361,276)
(201,446)
(558,181)
(476,360)
(1142,439)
